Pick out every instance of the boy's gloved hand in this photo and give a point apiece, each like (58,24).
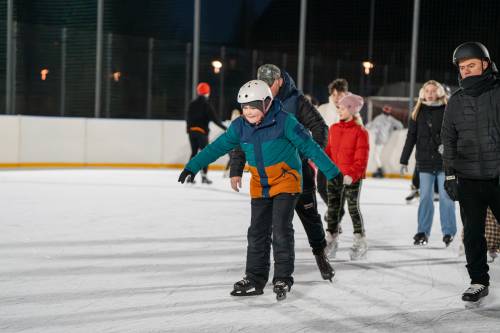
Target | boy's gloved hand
(185,174)
(347,180)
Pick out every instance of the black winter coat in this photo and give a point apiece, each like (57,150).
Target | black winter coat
(293,102)
(471,134)
(200,113)
(425,134)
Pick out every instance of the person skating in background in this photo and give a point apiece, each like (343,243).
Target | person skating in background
(424,133)
(284,90)
(471,139)
(337,89)
(271,139)
(382,127)
(415,186)
(199,114)
(348,147)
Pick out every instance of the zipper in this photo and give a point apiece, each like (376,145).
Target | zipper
(285,172)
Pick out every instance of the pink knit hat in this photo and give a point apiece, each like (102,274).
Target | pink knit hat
(353,103)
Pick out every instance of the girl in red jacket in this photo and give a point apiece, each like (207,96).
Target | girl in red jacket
(348,148)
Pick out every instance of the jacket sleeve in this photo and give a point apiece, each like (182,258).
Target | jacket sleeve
(328,148)
(237,160)
(449,136)
(301,139)
(411,140)
(309,116)
(213,117)
(358,169)
(222,145)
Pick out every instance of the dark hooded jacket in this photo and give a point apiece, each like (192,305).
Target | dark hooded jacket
(471,128)
(293,102)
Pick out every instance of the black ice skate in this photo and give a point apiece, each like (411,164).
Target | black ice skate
(475,292)
(245,287)
(420,239)
(205,180)
(447,239)
(326,270)
(413,195)
(280,289)
(379,173)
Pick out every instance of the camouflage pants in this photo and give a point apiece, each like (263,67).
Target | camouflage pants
(337,196)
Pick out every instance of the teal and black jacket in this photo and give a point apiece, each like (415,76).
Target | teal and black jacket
(272,152)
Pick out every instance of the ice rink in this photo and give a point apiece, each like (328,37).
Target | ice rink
(134,251)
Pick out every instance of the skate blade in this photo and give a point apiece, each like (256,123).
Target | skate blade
(246,293)
(474,305)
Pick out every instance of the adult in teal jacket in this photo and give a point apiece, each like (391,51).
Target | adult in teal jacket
(271,140)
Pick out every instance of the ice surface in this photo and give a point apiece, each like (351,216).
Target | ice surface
(134,251)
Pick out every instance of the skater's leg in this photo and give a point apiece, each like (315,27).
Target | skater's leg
(471,198)
(446,209)
(321,182)
(203,143)
(259,241)
(415,180)
(426,205)
(336,202)
(283,236)
(307,210)
(352,193)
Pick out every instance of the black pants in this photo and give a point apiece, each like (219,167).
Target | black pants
(474,197)
(322,181)
(198,141)
(307,210)
(271,217)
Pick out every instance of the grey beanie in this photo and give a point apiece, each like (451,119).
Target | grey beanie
(268,73)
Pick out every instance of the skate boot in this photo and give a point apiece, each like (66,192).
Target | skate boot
(475,292)
(447,239)
(245,287)
(190,180)
(413,195)
(420,239)
(332,244)
(493,254)
(379,173)
(326,270)
(436,197)
(205,180)
(359,247)
(280,289)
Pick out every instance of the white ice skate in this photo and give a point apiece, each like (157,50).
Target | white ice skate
(359,247)
(332,244)
(493,254)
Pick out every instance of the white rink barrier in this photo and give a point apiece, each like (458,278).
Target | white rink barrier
(31,141)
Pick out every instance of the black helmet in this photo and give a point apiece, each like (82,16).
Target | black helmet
(470,50)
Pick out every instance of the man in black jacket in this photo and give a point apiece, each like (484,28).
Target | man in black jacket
(283,89)
(199,114)
(471,139)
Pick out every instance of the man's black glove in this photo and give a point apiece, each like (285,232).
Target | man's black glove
(451,186)
(185,174)
(338,180)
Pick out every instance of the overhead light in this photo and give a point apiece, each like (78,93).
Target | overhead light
(116,76)
(43,74)
(368,65)
(217,65)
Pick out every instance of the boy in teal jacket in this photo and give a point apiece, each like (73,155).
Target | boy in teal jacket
(271,140)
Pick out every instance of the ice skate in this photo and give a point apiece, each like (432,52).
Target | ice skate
(379,173)
(413,195)
(475,292)
(280,289)
(332,244)
(420,239)
(447,239)
(492,255)
(245,287)
(205,180)
(359,247)
(326,270)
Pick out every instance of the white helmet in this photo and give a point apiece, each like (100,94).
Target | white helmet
(255,90)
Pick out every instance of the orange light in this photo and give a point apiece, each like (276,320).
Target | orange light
(43,74)
(116,76)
